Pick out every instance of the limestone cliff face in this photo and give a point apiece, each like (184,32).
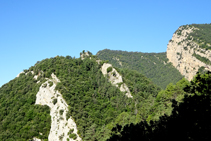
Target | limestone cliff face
(60,125)
(180,50)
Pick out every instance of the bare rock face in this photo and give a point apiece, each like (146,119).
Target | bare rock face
(83,55)
(60,125)
(180,50)
(115,78)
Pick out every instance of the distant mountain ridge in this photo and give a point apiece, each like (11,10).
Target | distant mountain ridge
(153,65)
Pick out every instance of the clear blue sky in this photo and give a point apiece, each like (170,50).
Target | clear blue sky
(32,30)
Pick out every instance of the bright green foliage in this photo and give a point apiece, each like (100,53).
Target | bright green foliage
(20,118)
(54,101)
(190,119)
(153,65)
(163,101)
(61,112)
(143,90)
(71,134)
(200,85)
(50,83)
(91,133)
(109,69)
(94,103)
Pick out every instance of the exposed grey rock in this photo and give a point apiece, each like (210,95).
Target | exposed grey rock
(115,78)
(60,126)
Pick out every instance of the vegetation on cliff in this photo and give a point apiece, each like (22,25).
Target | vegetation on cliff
(202,36)
(20,118)
(94,103)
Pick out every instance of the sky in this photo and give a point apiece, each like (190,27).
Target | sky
(33,30)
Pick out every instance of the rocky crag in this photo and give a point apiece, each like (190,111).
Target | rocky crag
(185,54)
(60,125)
(113,76)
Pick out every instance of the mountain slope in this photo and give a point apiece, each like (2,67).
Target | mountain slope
(94,103)
(189,50)
(153,65)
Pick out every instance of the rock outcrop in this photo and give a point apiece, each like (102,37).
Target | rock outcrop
(180,52)
(116,79)
(60,125)
(85,54)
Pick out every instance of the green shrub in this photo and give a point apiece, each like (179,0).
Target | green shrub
(109,69)
(202,59)
(61,111)
(71,134)
(119,84)
(185,48)
(50,83)
(54,101)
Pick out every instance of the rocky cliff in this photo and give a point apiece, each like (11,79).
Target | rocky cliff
(61,127)
(186,54)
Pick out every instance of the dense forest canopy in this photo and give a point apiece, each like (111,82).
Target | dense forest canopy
(190,120)
(94,103)
(20,118)
(165,106)
(153,65)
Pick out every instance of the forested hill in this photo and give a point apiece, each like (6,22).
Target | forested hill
(93,102)
(153,65)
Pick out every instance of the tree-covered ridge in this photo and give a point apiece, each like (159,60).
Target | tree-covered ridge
(94,103)
(20,118)
(153,65)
